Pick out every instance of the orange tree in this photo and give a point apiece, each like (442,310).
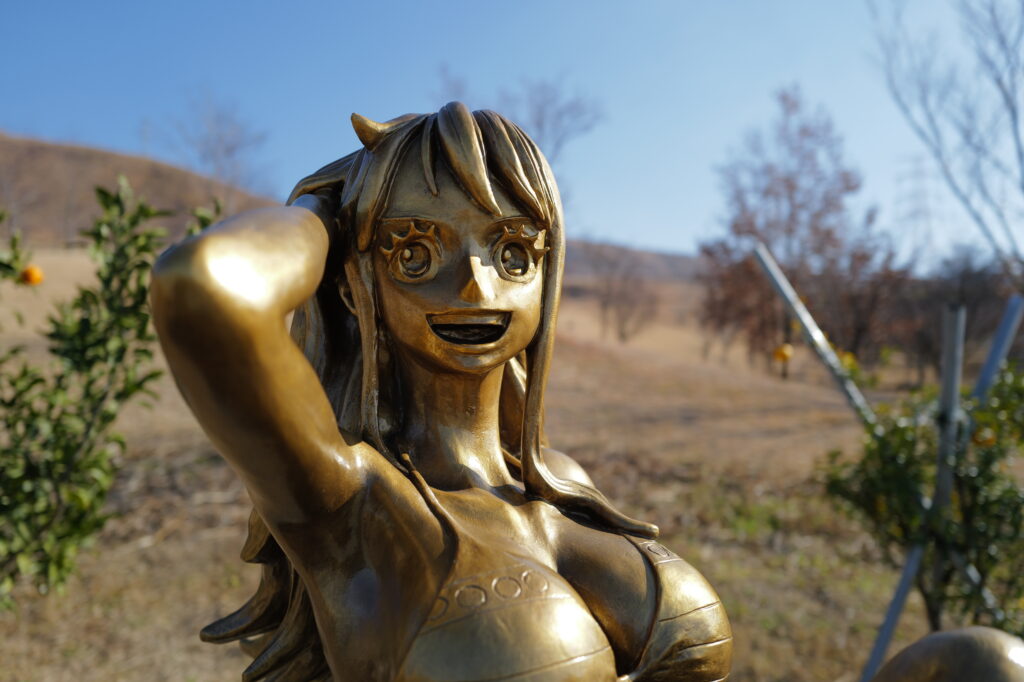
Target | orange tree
(56,442)
(984,524)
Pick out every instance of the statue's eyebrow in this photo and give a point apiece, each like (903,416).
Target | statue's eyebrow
(511,223)
(412,231)
(399,227)
(396,227)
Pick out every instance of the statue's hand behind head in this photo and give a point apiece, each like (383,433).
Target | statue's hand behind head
(323,203)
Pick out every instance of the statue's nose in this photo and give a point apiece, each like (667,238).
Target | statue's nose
(479,286)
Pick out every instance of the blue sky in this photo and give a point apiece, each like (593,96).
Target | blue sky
(680,83)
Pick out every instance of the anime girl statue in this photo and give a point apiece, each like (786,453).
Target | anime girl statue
(410,521)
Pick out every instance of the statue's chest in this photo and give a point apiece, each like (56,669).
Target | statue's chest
(514,525)
(510,586)
(504,612)
(602,570)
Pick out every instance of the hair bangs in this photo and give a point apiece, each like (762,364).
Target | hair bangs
(506,165)
(463,145)
(367,195)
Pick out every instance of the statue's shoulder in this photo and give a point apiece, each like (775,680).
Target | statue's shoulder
(386,515)
(564,466)
(973,653)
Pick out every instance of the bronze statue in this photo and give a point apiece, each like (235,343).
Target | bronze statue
(974,653)
(410,521)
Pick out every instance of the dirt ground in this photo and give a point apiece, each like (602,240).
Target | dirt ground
(722,456)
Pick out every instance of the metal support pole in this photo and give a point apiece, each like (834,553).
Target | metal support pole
(815,337)
(1000,348)
(892,614)
(1001,343)
(953,324)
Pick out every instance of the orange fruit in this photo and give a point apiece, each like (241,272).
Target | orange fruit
(783,353)
(31,275)
(986,438)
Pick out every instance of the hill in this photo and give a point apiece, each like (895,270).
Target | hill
(47,190)
(583,259)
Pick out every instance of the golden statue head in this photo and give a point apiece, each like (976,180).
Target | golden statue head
(448,216)
(453,213)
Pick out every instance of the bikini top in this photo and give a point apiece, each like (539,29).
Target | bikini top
(690,637)
(501,617)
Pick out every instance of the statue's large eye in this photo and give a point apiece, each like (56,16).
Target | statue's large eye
(414,260)
(514,259)
(518,252)
(413,255)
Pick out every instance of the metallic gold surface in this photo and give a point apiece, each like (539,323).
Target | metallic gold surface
(410,521)
(975,653)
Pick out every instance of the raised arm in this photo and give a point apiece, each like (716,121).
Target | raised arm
(219,304)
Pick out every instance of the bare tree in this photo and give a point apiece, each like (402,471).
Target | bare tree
(451,87)
(969,277)
(545,109)
(551,115)
(219,143)
(634,303)
(967,115)
(627,299)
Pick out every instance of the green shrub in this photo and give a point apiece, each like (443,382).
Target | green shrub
(14,259)
(984,523)
(56,442)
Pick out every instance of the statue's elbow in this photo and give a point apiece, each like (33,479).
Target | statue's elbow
(181,289)
(177,259)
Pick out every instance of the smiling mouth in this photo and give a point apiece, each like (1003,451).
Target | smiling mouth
(469,329)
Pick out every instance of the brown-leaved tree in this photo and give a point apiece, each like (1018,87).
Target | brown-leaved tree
(790,188)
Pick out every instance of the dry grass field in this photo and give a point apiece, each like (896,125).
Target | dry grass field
(722,456)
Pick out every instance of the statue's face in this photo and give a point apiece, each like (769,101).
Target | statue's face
(459,289)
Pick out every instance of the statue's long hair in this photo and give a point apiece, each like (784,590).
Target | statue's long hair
(340,332)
